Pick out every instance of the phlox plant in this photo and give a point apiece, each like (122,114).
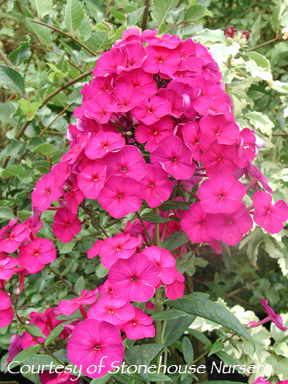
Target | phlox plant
(156,140)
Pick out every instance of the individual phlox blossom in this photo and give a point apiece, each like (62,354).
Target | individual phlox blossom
(176,100)
(139,78)
(164,260)
(65,225)
(127,162)
(219,158)
(8,267)
(189,93)
(155,186)
(268,216)
(61,378)
(154,133)
(35,255)
(76,149)
(276,319)
(258,176)
(120,196)
(166,41)
(188,61)
(70,306)
(94,251)
(191,136)
(161,60)
(4,230)
(176,289)
(173,155)
(106,289)
(92,340)
(135,54)
(14,347)
(208,87)
(150,111)
(6,312)
(220,128)
(120,246)
(73,198)
(128,96)
(92,178)
(44,193)
(102,143)
(109,62)
(13,240)
(221,194)
(101,107)
(140,326)
(136,229)
(62,173)
(246,148)
(114,311)
(101,84)
(134,279)
(194,223)
(262,380)
(230,227)
(34,222)
(208,105)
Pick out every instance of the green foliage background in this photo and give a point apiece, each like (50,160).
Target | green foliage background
(47,52)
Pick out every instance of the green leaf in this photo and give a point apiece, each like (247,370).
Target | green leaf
(143,355)
(160,10)
(199,336)
(194,13)
(55,333)
(99,40)
(45,149)
(67,269)
(11,79)
(154,218)
(80,285)
(228,360)
(259,59)
(222,382)
(40,31)
(134,16)
(175,329)
(159,377)
(14,170)
(25,355)
(216,347)
(175,240)
(101,380)
(85,28)
(209,310)
(73,15)
(169,314)
(33,330)
(20,54)
(6,213)
(65,247)
(187,349)
(43,7)
(181,205)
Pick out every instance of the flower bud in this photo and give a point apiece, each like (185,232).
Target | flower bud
(230,31)
(245,34)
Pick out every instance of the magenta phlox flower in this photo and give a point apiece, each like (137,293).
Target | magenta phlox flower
(94,251)
(258,176)
(220,128)
(107,290)
(194,223)
(176,289)
(4,231)
(208,105)
(109,62)
(135,54)
(45,192)
(155,186)
(230,227)
(130,34)
(134,279)
(262,380)
(101,107)
(189,93)
(62,173)
(176,100)
(120,246)
(136,229)
(166,41)
(154,133)
(8,267)
(173,155)
(66,225)
(103,143)
(70,306)
(208,87)
(276,319)
(268,216)
(14,347)
(191,136)
(12,241)
(61,378)
(164,260)
(128,96)
(6,312)
(92,342)
(150,111)
(101,84)
(246,148)
(161,60)
(219,158)
(34,222)
(141,79)
(139,327)
(221,194)
(76,149)
(126,162)
(73,198)
(92,178)
(114,311)
(35,255)
(120,196)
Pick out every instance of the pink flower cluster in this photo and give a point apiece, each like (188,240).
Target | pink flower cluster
(154,118)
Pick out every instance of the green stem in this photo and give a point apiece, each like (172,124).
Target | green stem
(144,227)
